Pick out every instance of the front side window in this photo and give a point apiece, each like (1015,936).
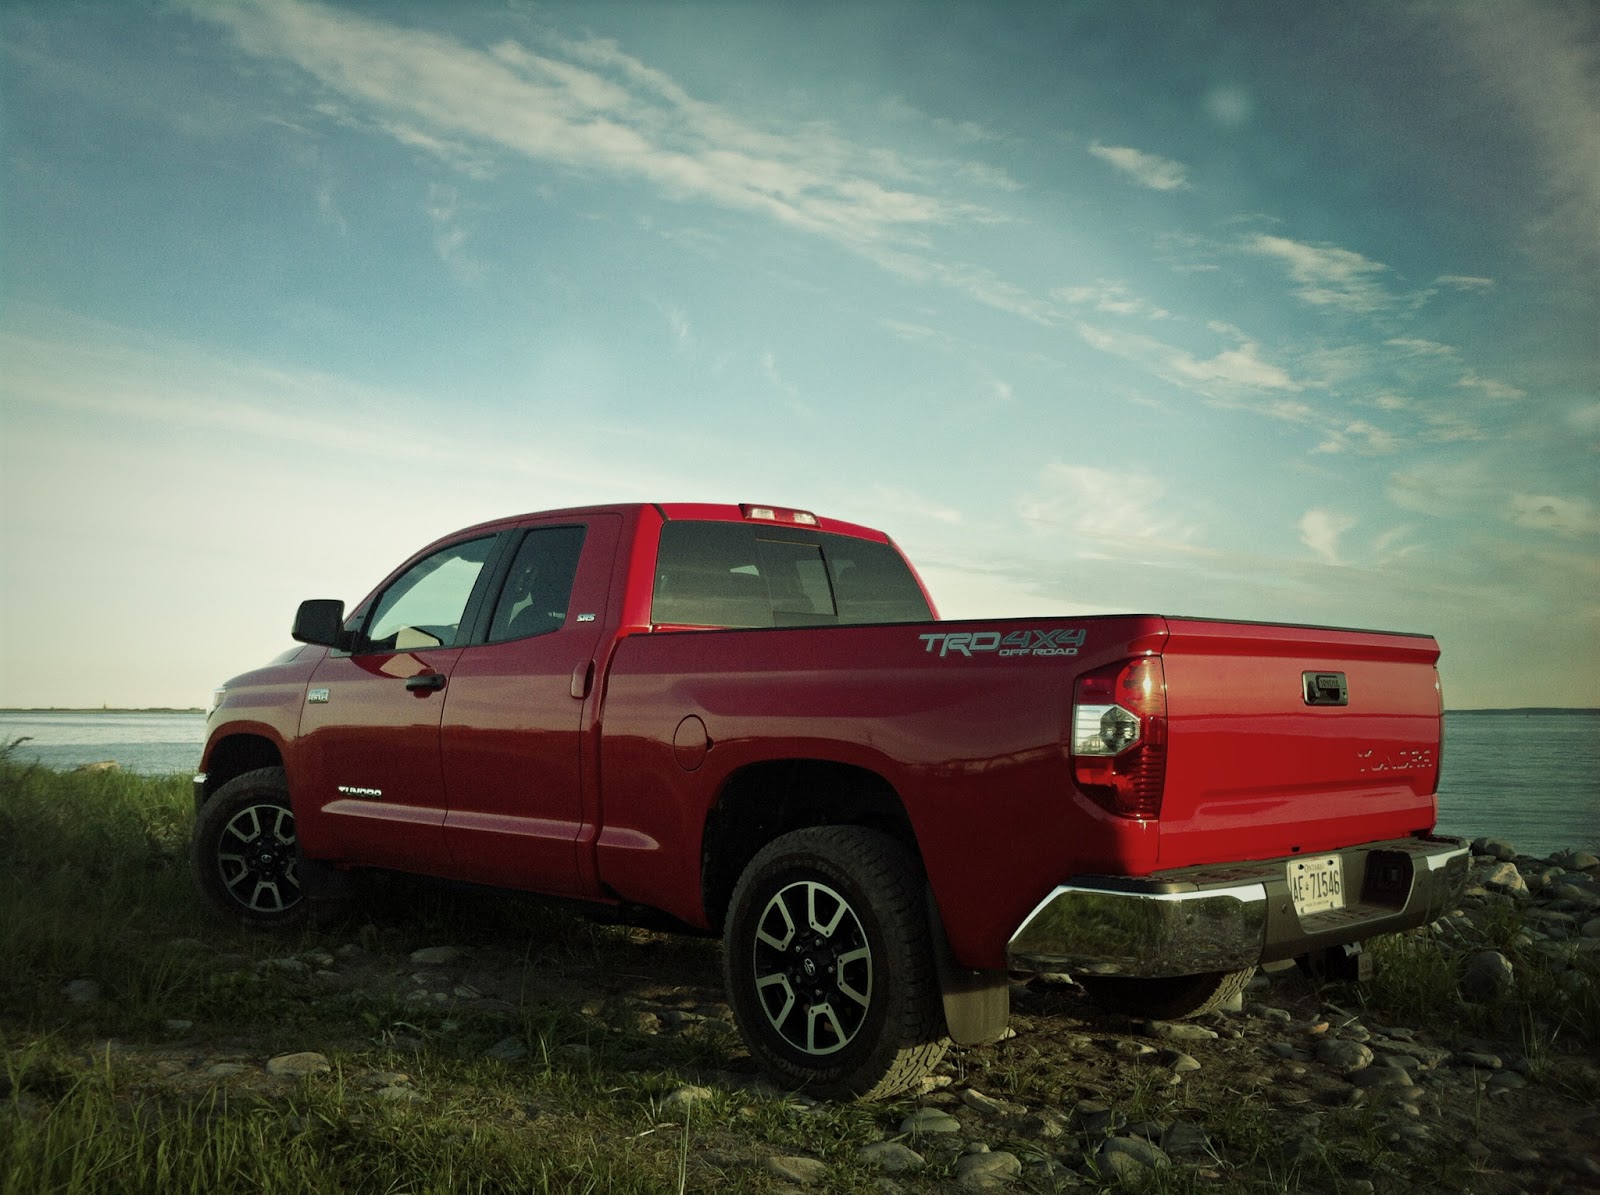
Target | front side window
(735,575)
(425,605)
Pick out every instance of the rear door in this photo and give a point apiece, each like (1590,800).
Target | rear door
(520,722)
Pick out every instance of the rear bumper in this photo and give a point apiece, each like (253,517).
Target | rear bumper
(1228,917)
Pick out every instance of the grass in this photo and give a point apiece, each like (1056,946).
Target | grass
(107,1096)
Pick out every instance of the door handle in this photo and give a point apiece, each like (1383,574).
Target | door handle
(428,681)
(582,678)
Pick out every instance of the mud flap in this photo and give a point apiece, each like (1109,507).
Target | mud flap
(977,1004)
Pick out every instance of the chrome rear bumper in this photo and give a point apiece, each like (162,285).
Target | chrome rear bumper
(1232,916)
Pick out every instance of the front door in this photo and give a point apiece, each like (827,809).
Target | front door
(369,733)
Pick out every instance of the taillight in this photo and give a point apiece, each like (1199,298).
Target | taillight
(1119,736)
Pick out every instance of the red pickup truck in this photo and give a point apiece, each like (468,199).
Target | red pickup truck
(749,719)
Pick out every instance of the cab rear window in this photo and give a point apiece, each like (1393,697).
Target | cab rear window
(735,575)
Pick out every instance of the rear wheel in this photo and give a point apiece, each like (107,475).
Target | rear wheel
(829,964)
(1166,999)
(243,852)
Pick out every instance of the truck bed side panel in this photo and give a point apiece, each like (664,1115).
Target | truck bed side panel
(973,744)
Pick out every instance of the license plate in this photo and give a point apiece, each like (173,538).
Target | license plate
(1316,885)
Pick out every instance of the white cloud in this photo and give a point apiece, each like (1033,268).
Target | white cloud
(1159,174)
(1562,516)
(1419,347)
(1114,508)
(1235,376)
(1542,60)
(1328,276)
(1320,531)
(1490,388)
(1359,437)
(1465,282)
(597,109)
(1110,297)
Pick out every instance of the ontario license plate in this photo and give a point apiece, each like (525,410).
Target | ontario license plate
(1316,885)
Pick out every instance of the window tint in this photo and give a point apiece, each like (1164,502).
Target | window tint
(736,575)
(424,607)
(539,585)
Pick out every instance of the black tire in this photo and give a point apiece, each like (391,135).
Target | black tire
(243,851)
(830,967)
(1166,999)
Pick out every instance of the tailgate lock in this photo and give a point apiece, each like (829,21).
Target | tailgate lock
(1325,688)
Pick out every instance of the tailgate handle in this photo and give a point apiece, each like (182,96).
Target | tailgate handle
(1326,688)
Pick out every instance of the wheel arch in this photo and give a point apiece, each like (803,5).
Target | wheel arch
(764,800)
(236,755)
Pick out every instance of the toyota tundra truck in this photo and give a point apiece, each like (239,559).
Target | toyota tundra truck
(749,719)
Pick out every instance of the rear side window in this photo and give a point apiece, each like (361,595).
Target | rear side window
(539,585)
(736,575)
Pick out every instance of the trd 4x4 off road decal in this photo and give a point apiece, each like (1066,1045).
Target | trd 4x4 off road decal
(1059,642)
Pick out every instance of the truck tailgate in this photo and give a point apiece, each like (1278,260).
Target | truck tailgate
(1284,740)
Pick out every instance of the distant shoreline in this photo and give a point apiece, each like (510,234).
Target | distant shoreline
(1542,710)
(101,709)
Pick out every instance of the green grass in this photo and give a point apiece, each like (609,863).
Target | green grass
(107,1096)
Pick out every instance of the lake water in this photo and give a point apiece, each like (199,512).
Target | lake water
(1532,779)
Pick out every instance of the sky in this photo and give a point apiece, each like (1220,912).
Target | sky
(1260,311)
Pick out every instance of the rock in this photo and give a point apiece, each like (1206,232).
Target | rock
(1343,1057)
(1495,848)
(891,1157)
(1126,1049)
(1185,1139)
(1093,1117)
(988,1105)
(983,1171)
(1130,1159)
(383,1079)
(103,765)
(1476,1060)
(682,1099)
(1047,1124)
(1591,928)
(1177,1062)
(1506,1081)
(1582,861)
(806,1172)
(177,1025)
(81,991)
(1180,1031)
(1504,877)
(307,1062)
(435,956)
(400,1095)
(1488,974)
(930,1120)
(1380,1076)
(1581,897)
(288,966)
(225,1070)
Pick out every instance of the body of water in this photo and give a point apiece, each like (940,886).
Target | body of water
(1532,779)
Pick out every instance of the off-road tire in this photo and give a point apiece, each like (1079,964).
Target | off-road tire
(1166,999)
(243,852)
(835,915)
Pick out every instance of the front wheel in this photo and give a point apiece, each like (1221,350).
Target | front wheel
(243,852)
(829,965)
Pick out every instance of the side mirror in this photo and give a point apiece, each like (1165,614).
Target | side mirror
(320,621)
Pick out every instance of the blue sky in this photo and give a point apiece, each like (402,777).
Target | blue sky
(1262,311)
